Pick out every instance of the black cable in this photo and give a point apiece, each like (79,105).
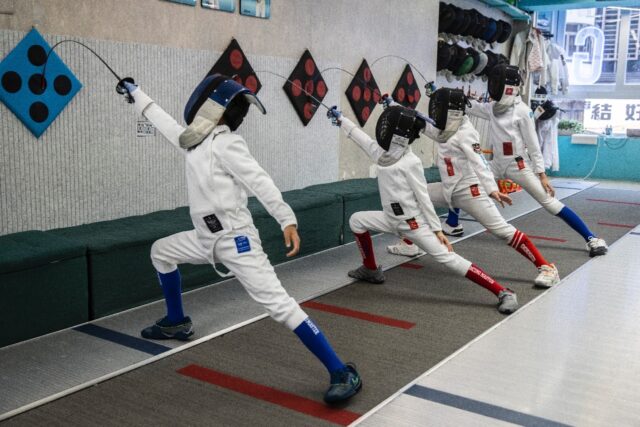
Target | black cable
(295,85)
(408,62)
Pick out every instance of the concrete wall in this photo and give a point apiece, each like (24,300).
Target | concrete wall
(90,166)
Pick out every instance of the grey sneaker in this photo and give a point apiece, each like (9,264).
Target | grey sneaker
(404,249)
(597,247)
(547,277)
(507,301)
(163,329)
(372,276)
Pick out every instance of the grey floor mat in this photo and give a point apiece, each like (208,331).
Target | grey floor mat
(448,312)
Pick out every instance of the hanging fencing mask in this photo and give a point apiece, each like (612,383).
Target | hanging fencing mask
(504,82)
(216,97)
(446,109)
(545,110)
(397,127)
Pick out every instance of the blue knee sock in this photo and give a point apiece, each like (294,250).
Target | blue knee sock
(576,223)
(452,219)
(312,337)
(172,291)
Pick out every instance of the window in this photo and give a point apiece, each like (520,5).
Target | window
(632,75)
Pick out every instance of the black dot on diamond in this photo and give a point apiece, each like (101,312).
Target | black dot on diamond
(36,84)
(38,112)
(37,55)
(62,85)
(11,81)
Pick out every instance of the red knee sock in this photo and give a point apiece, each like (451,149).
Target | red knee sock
(366,250)
(476,275)
(525,246)
(407,241)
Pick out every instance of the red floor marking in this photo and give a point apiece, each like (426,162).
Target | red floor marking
(359,315)
(272,395)
(614,201)
(616,225)
(411,265)
(553,239)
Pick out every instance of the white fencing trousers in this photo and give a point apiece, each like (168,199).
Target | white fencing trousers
(532,185)
(480,207)
(378,221)
(252,268)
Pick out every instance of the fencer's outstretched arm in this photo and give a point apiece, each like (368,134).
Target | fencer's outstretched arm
(236,159)
(479,109)
(530,137)
(364,141)
(478,162)
(162,120)
(418,183)
(430,131)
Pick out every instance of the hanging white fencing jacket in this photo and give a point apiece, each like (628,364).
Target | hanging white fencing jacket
(402,185)
(218,173)
(460,160)
(512,136)
(548,136)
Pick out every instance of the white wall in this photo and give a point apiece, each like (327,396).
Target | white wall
(89,165)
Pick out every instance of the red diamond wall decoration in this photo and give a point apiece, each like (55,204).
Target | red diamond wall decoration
(234,63)
(305,80)
(407,91)
(363,93)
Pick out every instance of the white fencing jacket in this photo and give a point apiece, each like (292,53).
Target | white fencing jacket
(511,135)
(460,160)
(548,137)
(218,172)
(402,185)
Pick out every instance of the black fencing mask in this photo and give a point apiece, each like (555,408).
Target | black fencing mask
(398,124)
(443,100)
(502,79)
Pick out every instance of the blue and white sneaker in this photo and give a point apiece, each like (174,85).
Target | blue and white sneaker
(345,383)
(163,329)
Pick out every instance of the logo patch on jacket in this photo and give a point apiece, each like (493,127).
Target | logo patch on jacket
(449,164)
(242,244)
(507,148)
(213,224)
(397,209)
(413,224)
(475,191)
(476,148)
(520,162)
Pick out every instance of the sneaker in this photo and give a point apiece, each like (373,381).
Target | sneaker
(456,231)
(507,301)
(404,249)
(163,329)
(345,383)
(372,276)
(547,277)
(596,247)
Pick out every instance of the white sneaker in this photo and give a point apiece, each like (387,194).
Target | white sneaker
(456,231)
(597,247)
(547,277)
(404,249)
(507,301)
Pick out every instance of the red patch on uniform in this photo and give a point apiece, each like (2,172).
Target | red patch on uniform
(296,87)
(410,77)
(401,95)
(366,73)
(309,67)
(475,191)
(520,162)
(413,224)
(367,94)
(507,148)
(308,110)
(450,171)
(308,87)
(236,59)
(321,89)
(508,91)
(251,83)
(365,113)
(356,93)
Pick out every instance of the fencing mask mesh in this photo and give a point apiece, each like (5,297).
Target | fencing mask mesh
(398,123)
(501,76)
(443,100)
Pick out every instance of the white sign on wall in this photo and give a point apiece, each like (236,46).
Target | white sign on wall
(620,114)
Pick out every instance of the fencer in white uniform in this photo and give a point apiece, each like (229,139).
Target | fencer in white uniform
(516,150)
(467,182)
(407,210)
(219,172)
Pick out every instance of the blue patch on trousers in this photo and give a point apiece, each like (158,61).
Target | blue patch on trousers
(242,244)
